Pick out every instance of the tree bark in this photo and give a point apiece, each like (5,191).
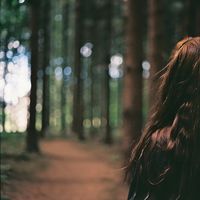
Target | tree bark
(155,44)
(108,134)
(3,103)
(32,135)
(65,62)
(193,17)
(46,66)
(93,35)
(132,92)
(78,105)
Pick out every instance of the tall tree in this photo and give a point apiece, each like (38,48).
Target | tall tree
(65,62)
(78,108)
(3,103)
(155,44)
(46,67)
(132,94)
(32,136)
(93,21)
(108,39)
(193,17)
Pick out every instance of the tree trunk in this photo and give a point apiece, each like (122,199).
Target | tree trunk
(92,99)
(32,135)
(77,124)
(197,17)
(108,135)
(65,62)
(93,35)
(156,46)
(3,104)
(108,17)
(46,66)
(132,94)
(192,21)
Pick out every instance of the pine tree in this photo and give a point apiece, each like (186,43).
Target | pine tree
(78,104)
(32,136)
(46,67)
(132,94)
(155,44)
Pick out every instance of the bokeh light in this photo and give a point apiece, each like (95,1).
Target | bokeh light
(115,67)
(15,86)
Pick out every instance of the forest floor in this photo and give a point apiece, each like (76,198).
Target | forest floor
(68,170)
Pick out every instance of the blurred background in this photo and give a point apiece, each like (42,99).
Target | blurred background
(83,70)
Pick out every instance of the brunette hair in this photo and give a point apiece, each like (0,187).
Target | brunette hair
(176,114)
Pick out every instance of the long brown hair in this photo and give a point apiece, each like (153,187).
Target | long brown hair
(177,109)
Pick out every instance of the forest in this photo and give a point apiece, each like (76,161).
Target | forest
(78,79)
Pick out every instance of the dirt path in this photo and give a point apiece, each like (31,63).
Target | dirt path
(75,172)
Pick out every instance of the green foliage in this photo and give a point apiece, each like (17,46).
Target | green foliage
(12,146)
(12,143)
(14,24)
(5,167)
(13,20)
(4,198)
(3,177)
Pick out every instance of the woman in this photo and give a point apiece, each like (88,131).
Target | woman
(165,165)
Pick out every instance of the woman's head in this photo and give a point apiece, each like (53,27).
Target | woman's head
(178,104)
(180,82)
(173,131)
(182,76)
